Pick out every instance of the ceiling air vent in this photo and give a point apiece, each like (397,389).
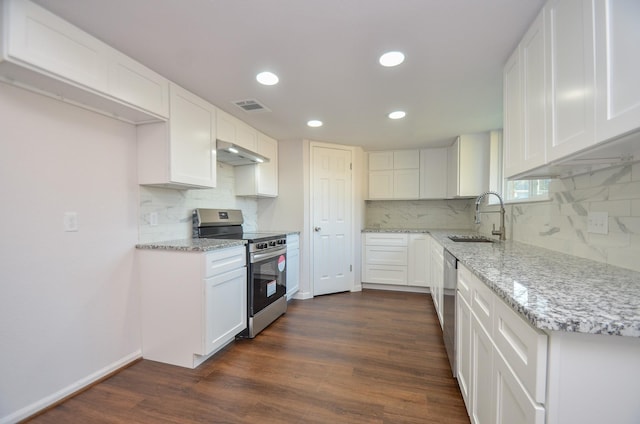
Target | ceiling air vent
(251,106)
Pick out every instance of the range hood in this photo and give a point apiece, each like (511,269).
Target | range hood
(235,155)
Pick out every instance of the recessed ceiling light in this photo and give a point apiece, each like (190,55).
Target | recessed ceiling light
(391,59)
(314,123)
(398,114)
(267,78)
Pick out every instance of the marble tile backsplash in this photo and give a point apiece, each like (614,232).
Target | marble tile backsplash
(174,207)
(434,214)
(561,223)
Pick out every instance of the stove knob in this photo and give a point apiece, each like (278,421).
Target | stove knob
(272,243)
(282,241)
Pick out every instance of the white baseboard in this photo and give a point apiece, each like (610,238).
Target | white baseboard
(43,403)
(392,287)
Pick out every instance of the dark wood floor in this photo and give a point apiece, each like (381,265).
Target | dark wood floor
(369,357)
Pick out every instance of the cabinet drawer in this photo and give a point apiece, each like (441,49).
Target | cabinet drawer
(464,286)
(523,347)
(386,239)
(221,261)
(386,274)
(481,299)
(386,255)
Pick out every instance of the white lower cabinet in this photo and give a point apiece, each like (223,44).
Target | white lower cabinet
(396,259)
(463,347)
(481,393)
(436,262)
(513,403)
(501,359)
(293,264)
(193,303)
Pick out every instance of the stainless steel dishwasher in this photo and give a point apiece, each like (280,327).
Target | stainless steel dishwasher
(449,307)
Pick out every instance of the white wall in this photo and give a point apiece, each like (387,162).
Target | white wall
(69,301)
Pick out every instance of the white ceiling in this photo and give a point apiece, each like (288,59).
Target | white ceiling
(326,55)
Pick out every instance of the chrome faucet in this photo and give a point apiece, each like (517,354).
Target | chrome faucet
(501,232)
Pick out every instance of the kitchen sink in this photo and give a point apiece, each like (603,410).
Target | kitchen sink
(470,239)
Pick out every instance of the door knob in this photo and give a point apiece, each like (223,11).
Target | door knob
(316,229)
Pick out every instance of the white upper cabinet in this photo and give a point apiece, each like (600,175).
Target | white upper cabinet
(570,69)
(532,60)
(45,53)
(433,173)
(617,29)
(525,103)
(260,180)
(233,130)
(587,96)
(468,165)
(394,174)
(180,153)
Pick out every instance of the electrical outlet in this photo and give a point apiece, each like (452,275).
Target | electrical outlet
(598,223)
(70,221)
(153,219)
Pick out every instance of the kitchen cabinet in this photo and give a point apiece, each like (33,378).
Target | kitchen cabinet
(617,36)
(501,359)
(44,53)
(417,260)
(233,130)
(385,258)
(525,102)
(180,153)
(463,347)
(436,263)
(468,165)
(433,173)
(394,174)
(571,77)
(587,93)
(193,303)
(293,264)
(261,179)
(398,259)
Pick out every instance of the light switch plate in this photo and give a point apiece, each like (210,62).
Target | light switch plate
(598,223)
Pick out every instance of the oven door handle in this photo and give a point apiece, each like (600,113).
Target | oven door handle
(255,257)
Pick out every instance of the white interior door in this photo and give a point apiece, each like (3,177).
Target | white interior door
(331,191)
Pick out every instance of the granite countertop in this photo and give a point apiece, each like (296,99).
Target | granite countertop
(192,245)
(552,290)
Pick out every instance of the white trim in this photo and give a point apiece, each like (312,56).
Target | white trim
(47,401)
(391,287)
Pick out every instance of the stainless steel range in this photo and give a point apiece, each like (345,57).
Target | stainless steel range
(266,264)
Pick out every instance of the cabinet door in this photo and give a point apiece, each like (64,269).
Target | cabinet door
(618,66)
(437,277)
(418,263)
(512,92)
(260,180)
(463,347)
(192,135)
(406,159)
(138,85)
(39,38)
(532,57)
(473,164)
(513,405)
(482,399)
(293,271)
(433,173)
(246,136)
(571,76)
(381,184)
(406,184)
(380,161)
(225,304)
(453,165)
